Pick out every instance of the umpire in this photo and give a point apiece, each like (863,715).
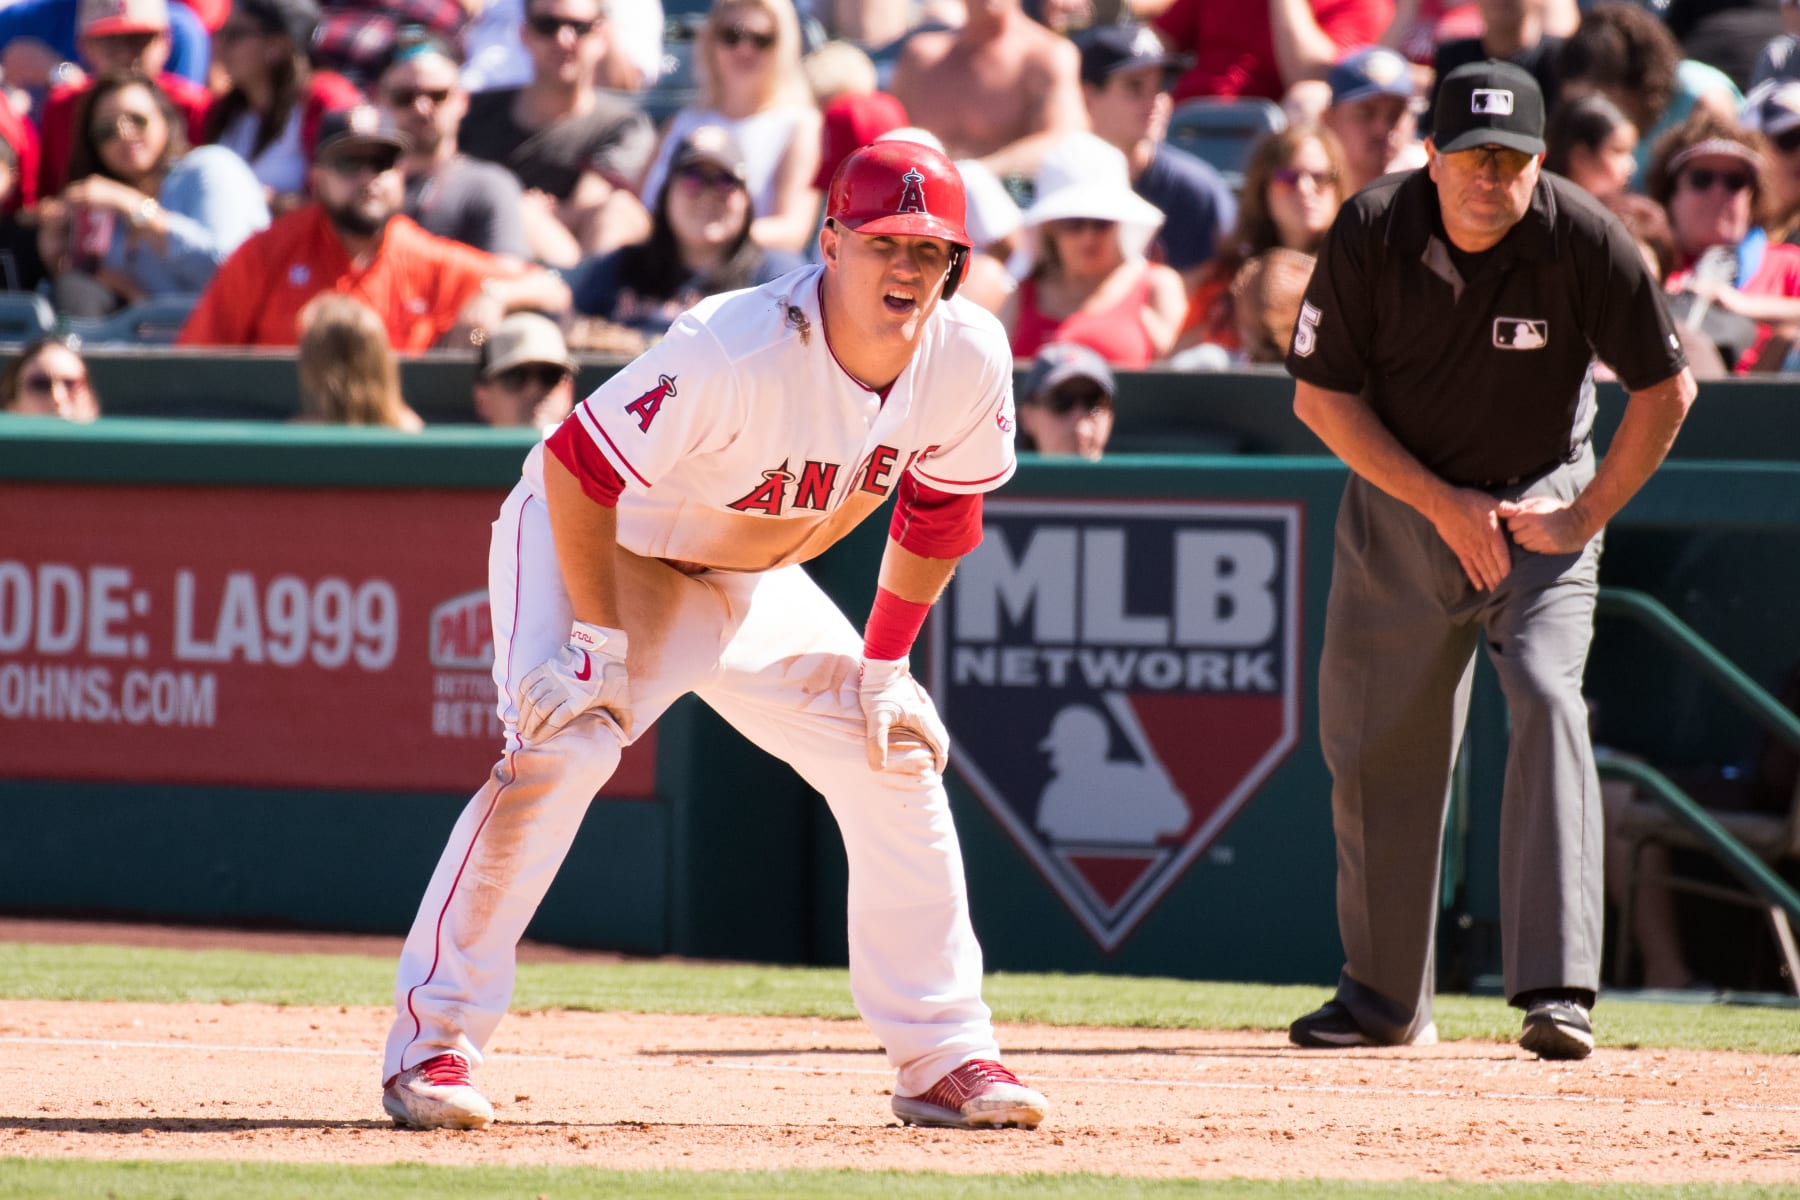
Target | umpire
(1444,351)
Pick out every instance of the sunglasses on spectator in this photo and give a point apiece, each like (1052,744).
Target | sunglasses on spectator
(733,36)
(1787,141)
(135,43)
(1290,177)
(352,166)
(405,97)
(700,179)
(1085,225)
(1477,158)
(1066,398)
(548,26)
(37,383)
(544,376)
(136,124)
(1702,179)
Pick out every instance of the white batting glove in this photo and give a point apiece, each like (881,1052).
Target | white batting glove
(587,673)
(893,704)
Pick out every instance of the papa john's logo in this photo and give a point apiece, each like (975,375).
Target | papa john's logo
(462,633)
(1119,679)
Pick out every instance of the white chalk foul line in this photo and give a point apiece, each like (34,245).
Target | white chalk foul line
(1217,1085)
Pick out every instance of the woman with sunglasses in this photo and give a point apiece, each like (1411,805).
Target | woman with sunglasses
(699,245)
(48,379)
(145,216)
(270,114)
(1293,185)
(1708,173)
(1087,234)
(747,58)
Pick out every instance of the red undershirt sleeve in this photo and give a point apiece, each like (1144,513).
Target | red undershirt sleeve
(934,524)
(576,451)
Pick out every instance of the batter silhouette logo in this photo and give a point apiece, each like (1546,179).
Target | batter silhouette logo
(1118,679)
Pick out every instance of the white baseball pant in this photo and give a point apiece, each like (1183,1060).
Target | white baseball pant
(773,655)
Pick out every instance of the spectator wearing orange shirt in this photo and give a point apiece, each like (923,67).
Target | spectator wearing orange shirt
(352,240)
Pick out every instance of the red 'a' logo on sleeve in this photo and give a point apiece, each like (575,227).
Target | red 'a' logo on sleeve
(646,406)
(912,197)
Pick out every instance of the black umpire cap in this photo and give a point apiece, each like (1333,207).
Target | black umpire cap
(1490,103)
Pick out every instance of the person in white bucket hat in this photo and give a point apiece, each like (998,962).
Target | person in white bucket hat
(1084,277)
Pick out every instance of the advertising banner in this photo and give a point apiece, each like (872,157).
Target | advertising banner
(1118,679)
(256,637)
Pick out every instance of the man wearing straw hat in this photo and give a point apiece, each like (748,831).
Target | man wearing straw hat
(1444,352)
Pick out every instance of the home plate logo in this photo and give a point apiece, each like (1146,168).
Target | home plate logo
(1118,679)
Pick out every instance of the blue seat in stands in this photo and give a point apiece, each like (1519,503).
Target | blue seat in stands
(153,322)
(25,316)
(1222,131)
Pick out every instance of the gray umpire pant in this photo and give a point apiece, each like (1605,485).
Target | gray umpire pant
(1394,681)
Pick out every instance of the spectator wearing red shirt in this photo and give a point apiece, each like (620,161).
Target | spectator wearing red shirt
(1264,47)
(115,36)
(351,240)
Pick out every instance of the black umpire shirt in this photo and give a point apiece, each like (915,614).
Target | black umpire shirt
(1479,364)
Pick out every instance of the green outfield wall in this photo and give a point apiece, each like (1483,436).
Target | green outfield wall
(268,708)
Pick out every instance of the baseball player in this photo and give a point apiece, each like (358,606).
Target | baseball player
(653,548)
(1444,351)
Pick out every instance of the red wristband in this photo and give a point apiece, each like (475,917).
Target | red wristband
(893,627)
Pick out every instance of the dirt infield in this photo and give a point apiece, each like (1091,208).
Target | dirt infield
(258,1083)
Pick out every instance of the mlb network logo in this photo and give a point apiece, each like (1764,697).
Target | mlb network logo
(1119,679)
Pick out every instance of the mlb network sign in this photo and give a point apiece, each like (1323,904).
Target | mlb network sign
(1118,679)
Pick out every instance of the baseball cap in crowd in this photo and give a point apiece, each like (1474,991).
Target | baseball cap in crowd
(296,18)
(112,18)
(711,145)
(523,339)
(1109,48)
(1489,103)
(1058,363)
(1773,107)
(352,128)
(1370,71)
(851,122)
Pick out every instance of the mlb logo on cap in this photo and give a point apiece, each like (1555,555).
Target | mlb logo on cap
(1489,103)
(1491,100)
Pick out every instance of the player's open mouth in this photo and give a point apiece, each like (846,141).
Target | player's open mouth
(899,301)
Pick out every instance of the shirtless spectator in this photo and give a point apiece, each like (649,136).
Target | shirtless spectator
(1000,89)
(1265,47)
(1125,75)
(115,36)
(447,192)
(1373,115)
(578,153)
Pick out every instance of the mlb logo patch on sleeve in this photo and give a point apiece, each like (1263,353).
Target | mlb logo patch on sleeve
(1521,333)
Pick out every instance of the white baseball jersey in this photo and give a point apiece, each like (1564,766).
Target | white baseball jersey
(744,445)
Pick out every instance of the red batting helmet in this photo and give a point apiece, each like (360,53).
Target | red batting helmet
(905,188)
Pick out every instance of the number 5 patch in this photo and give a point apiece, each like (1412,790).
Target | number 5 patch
(1306,330)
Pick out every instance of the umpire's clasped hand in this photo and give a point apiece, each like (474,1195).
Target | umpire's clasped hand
(893,704)
(587,673)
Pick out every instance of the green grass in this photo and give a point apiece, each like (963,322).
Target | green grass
(44,1180)
(49,972)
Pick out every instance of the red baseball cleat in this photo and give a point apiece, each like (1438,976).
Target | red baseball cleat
(980,1094)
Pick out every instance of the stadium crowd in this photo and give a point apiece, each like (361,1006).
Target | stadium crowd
(606,163)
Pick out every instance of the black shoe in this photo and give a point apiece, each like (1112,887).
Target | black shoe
(1332,1027)
(1557,1027)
